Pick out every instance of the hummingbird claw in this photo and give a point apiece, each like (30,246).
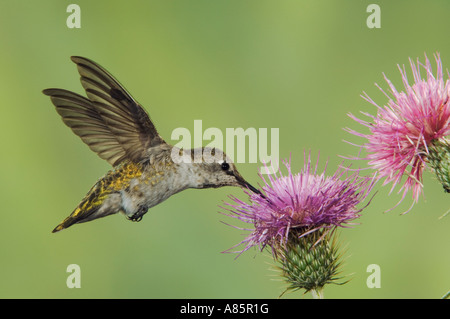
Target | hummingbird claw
(137,217)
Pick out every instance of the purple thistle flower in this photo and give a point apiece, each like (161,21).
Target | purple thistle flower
(403,132)
(306,201)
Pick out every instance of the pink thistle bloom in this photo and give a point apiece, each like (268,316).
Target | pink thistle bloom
(404,130)
(306,202)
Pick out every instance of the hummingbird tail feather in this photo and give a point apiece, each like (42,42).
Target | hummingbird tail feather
(97,203)
(75,217)
(64,224)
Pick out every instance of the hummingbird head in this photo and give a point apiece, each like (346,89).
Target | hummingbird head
(216,169)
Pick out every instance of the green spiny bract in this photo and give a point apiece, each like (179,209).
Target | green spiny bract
(439,159)
(311,261)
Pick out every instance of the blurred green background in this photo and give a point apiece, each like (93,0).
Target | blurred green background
(299,66)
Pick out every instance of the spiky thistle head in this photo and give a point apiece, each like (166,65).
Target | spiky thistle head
(296,217)
(403,131)
(308,200)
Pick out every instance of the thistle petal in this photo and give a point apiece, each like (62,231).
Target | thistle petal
(307,200)
(404,129)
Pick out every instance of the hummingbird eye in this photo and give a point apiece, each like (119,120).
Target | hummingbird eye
(225,166)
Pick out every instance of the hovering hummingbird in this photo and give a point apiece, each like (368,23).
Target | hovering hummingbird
(119,130)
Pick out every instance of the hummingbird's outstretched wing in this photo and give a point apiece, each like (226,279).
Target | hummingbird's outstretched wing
(109,121)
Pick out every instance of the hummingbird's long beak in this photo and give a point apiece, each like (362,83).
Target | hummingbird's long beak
(242,182)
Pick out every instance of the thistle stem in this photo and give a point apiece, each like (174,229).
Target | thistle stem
(317,293)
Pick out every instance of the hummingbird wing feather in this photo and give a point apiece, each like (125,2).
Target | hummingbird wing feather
(109,121)
(78,113)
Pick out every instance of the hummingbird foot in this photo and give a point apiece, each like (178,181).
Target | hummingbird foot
(137,217)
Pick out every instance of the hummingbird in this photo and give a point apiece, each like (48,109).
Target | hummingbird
(145,169)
